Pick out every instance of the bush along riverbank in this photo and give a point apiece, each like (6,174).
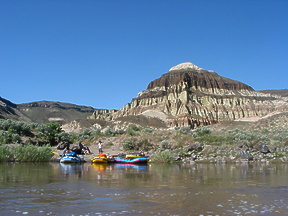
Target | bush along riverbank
(227,146)
(30,153)
(200,153)
(232,142)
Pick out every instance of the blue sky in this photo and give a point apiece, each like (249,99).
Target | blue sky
(101,53)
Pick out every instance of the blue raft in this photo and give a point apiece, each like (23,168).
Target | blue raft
(132,160)
(71,157)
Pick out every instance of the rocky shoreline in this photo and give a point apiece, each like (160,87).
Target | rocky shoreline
(200,153)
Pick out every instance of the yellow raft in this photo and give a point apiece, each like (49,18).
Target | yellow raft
(102,158)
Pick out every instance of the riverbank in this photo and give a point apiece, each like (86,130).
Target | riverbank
(197,152)
(225,142)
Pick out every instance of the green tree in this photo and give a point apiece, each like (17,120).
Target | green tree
(50,132)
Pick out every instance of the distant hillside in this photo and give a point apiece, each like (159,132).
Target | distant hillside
(8,110)
(44,111)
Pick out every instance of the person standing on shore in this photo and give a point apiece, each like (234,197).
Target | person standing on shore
(100,147)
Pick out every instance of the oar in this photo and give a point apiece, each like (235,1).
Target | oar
(55,153)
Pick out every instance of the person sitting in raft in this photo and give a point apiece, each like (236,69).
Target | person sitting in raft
(86,150)
(66,149)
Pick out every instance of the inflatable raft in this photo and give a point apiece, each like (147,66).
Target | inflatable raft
(71,157)
(103,158)
(131,160)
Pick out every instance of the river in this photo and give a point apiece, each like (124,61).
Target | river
(153,189)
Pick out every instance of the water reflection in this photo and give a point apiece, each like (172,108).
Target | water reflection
(74,169)
(102,167)
(25,173)
(137,167)
(153,189)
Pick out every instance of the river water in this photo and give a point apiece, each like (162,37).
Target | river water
(157,189)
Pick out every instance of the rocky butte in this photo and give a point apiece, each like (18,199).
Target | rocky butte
(190,96)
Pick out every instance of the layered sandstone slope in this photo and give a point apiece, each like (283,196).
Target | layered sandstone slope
(191,96)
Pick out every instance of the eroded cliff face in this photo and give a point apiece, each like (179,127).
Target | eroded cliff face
(191,96)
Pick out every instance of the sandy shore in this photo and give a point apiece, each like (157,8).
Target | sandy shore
(107,149)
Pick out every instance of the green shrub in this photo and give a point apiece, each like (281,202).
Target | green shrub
(252,138)
(134,128)
(162,157)
(184,153)
(165,144)
(128,144)
(280,135)
(64,137)
(49,132)
(5,153)
(137,145)
(216,140)
(119,132)
(7,137)
(16,127)
(85,134)
(144,145)
(185,130)
(201,131)
(109,144)
(28,153)
(130,132)
(147,130)
(110,132)
(179,144)
(97,133)
(265,131)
